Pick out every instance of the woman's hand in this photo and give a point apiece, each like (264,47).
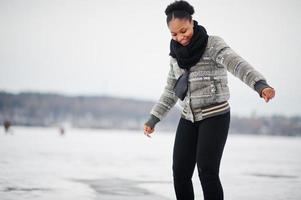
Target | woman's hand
(268,93)
(148,130)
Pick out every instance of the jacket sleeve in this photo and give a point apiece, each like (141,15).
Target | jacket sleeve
(167,99)
(236,65)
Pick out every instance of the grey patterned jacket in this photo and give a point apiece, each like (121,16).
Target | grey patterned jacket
(207,82)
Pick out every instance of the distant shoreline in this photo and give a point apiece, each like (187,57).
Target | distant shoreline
(104,112)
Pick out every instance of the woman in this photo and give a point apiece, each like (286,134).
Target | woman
(198,77)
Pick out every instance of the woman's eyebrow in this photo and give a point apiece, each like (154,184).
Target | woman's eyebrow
(180,30)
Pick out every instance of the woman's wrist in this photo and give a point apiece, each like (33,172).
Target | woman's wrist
(152,121)
(260,85)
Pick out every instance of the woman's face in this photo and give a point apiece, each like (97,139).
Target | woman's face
(181,30)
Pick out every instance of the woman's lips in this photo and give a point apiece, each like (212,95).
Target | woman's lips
(185,42)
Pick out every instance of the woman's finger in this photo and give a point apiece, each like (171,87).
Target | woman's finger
(273,93)
(145,130)
(148,135)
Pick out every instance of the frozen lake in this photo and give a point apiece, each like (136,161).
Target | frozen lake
(38,163)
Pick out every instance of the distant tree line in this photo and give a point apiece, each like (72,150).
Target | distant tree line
(42,109)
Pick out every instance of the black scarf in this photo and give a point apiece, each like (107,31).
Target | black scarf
(187,56)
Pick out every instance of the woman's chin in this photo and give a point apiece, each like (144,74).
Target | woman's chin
(185,42)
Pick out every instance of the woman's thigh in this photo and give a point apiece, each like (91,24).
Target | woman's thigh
(184,151)
(212,136)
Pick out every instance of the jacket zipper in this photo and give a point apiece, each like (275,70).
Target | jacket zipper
(189,102)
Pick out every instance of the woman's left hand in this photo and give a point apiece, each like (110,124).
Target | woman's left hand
(268,93)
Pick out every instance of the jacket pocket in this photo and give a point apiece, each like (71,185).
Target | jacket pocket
(221,87)
(203,88)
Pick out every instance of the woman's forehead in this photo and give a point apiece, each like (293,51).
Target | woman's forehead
(177,24)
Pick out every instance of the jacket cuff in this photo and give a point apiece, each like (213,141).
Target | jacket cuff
(152,121)
(260,85)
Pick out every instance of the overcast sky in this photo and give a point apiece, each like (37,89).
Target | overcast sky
(120,48)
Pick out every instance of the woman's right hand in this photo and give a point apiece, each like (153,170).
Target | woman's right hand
(148,130)
(268,93)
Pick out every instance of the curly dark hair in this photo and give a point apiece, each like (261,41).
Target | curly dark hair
(179,9)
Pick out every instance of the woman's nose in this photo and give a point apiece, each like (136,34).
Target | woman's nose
(180,38)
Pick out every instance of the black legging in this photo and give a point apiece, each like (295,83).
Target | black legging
(201,142)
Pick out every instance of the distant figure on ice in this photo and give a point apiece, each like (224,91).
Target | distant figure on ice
(7,125)
(198,77)
(62,131)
